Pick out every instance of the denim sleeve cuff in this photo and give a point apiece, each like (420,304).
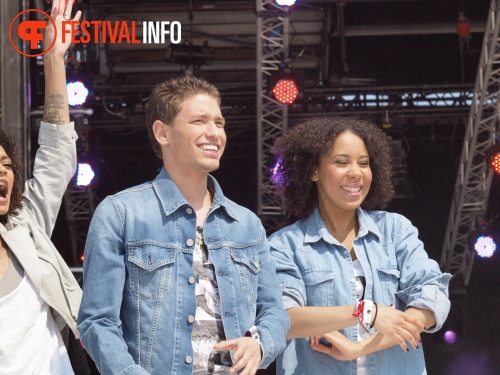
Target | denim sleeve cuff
(293,293)
(268,349)
(435,298)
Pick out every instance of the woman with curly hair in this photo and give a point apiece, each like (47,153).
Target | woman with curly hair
(39,296)
(355,280)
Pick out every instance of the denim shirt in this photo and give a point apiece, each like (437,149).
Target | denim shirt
(314,269)
(138,306)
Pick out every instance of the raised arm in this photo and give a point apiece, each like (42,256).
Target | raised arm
(55,109)
(55,161)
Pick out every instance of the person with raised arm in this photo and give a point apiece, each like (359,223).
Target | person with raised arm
(39,296)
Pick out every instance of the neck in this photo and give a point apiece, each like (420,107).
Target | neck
(193,186)
(340,224)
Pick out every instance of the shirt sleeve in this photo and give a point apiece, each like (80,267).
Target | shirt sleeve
(272,321)
(55,165)
(104,273)
(422,284)
(289,276)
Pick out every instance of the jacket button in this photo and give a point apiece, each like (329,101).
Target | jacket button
(191,280)
(74,317)
(353,280)
(189,242)
(189,359)
(189,211)
(191,319)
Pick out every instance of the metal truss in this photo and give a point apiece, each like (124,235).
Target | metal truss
(473,183)
(79,207)
(272,117)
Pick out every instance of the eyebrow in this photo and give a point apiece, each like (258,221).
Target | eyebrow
(347,156)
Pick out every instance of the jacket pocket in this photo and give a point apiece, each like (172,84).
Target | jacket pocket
(319,286)
(150,265)
(389,280)
(247,264)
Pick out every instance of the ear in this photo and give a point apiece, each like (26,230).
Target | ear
(314,176)
(160,130)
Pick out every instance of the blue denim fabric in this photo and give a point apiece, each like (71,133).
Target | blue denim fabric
(314,269)
(139,289)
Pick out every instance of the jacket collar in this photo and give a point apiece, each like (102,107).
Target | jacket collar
(172,199)
(317,230)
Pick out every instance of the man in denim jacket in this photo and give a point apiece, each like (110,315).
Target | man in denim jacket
(172,267)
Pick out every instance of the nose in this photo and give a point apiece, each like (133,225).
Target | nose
(3,170)
(355,171)
(213,130)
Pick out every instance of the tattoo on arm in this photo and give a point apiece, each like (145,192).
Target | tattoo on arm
(53,108)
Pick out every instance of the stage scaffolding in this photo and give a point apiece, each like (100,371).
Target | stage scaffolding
(472,187)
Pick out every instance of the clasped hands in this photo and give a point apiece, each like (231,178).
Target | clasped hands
(393,326)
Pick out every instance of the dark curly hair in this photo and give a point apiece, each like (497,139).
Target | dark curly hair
(165,101)
(9,144)
(299,151)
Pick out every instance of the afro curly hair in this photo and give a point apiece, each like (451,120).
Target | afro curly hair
(9,144)
(299,151)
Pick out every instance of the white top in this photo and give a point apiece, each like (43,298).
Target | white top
(360,291)
(29,341)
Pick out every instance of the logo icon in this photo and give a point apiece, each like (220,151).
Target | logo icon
(32,32)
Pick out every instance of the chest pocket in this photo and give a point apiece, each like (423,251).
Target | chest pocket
(320,286)
(247,265)
(150,268)
(389,279)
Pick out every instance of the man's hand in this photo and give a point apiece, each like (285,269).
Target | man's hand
(247,354)
(61,11)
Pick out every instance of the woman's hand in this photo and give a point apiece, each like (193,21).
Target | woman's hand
(342,348)
(398,326)
(61,11)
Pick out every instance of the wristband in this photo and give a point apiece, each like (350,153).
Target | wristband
(367,314)
(254,333)
(376,312)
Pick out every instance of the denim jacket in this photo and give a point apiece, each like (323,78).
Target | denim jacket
(139,298)
(314,269)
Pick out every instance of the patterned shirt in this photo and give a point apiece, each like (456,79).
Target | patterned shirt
(208,328)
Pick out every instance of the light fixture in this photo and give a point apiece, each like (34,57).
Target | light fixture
(85,174)
(483,240)
(77,93)
(78,84)
(493,157)
(287,3)
(285,84)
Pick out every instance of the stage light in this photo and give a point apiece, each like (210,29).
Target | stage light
(493,157)
(450,337)
(85,174)
(285,91)
(485,246)
(285,84)
(77,93)
(483,240)
(287,3)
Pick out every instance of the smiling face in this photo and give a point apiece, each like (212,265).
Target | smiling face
(6,181)
(343,177)
(195,141)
